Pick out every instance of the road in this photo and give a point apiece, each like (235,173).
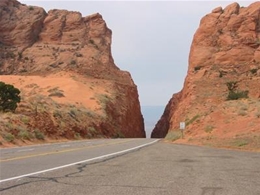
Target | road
(17,162)
(159,168)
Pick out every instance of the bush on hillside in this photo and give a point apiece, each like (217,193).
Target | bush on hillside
(9,97)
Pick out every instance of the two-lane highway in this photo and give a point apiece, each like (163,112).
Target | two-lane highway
(160,168)
(25,161)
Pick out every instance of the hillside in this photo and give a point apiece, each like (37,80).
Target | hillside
(70,85)
(220,100)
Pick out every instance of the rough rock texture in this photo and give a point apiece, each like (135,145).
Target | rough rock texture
(36,43)
(225,48)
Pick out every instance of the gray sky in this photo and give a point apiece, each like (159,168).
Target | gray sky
(151,39)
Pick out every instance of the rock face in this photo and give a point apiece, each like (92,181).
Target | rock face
(35,43)
(225,49)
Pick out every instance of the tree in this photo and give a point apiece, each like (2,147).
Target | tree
(9,97)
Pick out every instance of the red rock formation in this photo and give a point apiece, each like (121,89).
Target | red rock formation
(33,42)
(226,47)
(20,24)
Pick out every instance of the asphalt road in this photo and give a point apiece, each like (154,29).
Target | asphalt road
(21,161)
(160,168)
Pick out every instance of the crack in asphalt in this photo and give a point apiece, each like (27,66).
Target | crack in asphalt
(81,168)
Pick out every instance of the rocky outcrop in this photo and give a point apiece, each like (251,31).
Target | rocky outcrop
(20,24)
(225,49)
(36,43)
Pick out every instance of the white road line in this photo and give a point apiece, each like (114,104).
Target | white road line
(26,150)
(84,161)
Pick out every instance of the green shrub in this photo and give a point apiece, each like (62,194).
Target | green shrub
(25,120)
(9,137)
(9,97)
(38,134)
(24,134)
(235,95)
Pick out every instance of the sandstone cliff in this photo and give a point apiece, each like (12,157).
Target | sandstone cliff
(225,49)
(63,65)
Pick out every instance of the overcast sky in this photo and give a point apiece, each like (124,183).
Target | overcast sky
(150,39)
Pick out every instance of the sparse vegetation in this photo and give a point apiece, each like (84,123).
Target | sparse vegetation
(56,92)
(209,128)
(57,114)
(119,134)
(233,93)
(77,135)
(103,100)
(38,134)
(173,135)
(188,122)
(92,129)
(90,113)
(25,120)
(24,134)
(9,137)
(240,142)
(91,132)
